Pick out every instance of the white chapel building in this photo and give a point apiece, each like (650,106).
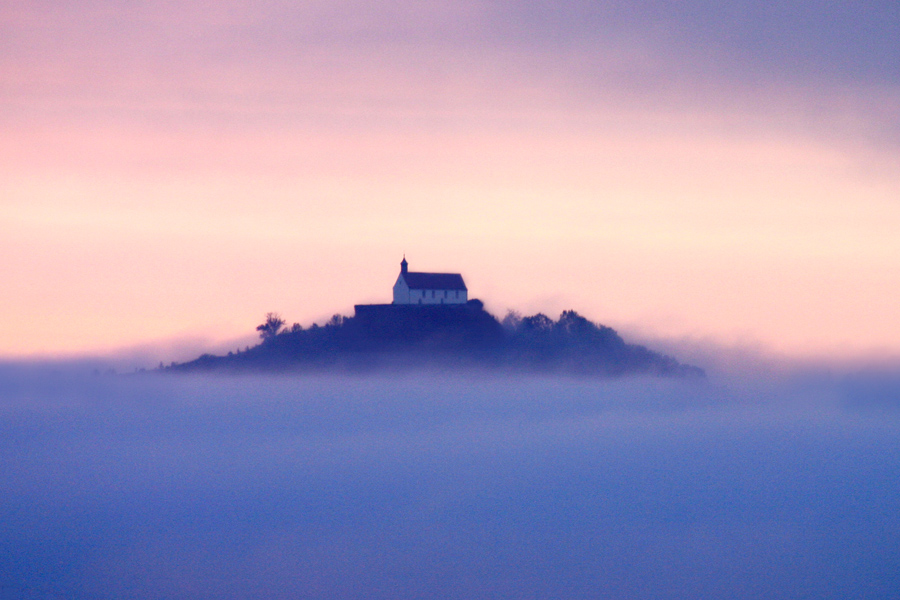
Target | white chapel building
(429,288)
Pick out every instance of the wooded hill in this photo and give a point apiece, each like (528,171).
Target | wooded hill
(385,336)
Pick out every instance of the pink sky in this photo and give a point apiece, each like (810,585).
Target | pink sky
(173,174)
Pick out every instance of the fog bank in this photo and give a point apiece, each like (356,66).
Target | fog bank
(447,487)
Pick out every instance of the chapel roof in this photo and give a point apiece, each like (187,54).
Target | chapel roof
(434,281)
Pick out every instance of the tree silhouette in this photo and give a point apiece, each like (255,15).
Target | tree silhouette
(539,322)
(271,327)
(389,336)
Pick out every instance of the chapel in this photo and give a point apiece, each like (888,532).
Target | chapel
(429,288)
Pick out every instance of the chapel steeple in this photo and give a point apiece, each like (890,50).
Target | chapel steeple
(403,266)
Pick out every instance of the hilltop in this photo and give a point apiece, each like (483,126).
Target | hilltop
(443,336)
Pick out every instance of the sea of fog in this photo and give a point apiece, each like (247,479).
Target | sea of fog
(458,487)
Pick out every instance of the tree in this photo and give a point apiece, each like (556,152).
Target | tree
(511,321)
(573,324)
(539,322)
(270,328)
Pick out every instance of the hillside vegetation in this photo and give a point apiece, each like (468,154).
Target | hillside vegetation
(383,337)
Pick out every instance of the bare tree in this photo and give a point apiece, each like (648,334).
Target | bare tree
(271,327)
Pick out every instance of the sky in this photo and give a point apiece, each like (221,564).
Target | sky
(715,172)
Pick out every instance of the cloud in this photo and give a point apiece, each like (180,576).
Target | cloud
(650,45)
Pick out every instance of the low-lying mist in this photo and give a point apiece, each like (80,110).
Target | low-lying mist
(156,486)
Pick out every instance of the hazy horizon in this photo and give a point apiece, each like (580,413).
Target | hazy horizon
(748,357)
